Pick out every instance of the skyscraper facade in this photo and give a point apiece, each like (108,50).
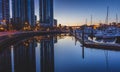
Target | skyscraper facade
(0,10)
(23,12)
(55,22)
(4,11)
(46,13)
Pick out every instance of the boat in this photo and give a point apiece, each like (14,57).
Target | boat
(110,32)
(99,34)
(118,32)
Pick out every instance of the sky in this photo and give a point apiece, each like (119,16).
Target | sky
(75,12)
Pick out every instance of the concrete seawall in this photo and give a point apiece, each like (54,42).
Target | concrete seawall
(9,38)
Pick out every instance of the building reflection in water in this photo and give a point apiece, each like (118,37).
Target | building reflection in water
(12,58)
(33,55)
(24,56)
(5,60)
(47,54)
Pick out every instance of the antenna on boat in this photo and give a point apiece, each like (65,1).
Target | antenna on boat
(86,21)
(91,19)
(107,17)
(116,19)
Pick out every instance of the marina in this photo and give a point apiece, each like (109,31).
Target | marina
(52,53)
(59,35)
(83,37)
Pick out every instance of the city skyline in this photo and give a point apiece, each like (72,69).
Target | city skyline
(75,12)
(23,12)
(46,13)
(4,11)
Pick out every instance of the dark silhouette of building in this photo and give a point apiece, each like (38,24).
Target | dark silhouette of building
(55,22)
(1,10)
(4,11)
(35,19)
(46,13)
(23,12)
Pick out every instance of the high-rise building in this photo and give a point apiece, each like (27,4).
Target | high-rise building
(1,10)
(4,11)
(35,19)
(23,12)
(46,13)
(55,22)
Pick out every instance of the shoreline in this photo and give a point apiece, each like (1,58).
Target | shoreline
(11,36)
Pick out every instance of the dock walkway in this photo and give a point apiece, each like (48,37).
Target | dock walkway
(91,44)
(7,37)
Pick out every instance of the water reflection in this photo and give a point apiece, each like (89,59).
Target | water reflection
(37,51)
(24,56)
(58,53)
(5,61)
(47,54)
(12,58)
(33,55)
(83,52)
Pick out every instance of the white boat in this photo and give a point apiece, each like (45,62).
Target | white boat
(118,33)
(99,34)
(110,32)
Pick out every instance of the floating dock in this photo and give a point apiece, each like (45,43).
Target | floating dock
(90,44)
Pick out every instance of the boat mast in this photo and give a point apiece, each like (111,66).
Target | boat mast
(107,17)
(116,19)
(91,19)
(92,28)
(86,21)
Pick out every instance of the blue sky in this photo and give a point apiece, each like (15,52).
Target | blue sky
(75,12)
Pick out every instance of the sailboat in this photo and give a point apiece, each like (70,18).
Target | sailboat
(109,32)
(118,29)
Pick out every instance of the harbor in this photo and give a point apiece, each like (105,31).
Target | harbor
(86,35)
(59,35)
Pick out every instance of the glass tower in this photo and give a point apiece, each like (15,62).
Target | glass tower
(4,11)
(0,10)
(22,12)
(46,13)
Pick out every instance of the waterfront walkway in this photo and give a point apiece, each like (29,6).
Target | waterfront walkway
(9,37)
(27,32)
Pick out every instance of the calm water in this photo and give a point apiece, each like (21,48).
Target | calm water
(57,54)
